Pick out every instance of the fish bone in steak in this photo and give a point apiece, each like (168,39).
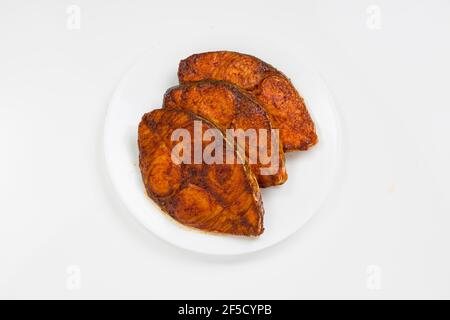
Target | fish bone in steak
(222,198)
(227,106)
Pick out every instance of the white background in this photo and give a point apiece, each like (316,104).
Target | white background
(389,219)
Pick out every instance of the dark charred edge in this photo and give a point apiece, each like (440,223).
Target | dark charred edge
(237,91)
(264,68)
(160,201)
(239,94)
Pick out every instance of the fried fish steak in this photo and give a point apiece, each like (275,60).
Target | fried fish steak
(272,89)
(222,198)
(226,106)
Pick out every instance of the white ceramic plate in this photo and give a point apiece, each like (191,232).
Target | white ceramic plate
(287,207)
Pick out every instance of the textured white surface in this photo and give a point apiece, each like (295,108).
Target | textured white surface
(58,208)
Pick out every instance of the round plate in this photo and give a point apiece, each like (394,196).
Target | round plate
(287,207)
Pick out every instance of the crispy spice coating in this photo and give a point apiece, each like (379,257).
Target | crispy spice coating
(220,198)
(272,89)
(226,106)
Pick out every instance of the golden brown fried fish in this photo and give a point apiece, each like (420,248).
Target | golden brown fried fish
(272,89)
(226,106)
(221,198)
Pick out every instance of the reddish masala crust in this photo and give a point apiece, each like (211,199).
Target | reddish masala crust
(216,198)
(227,106)
(267,85)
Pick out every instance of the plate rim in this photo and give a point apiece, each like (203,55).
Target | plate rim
(334,181)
